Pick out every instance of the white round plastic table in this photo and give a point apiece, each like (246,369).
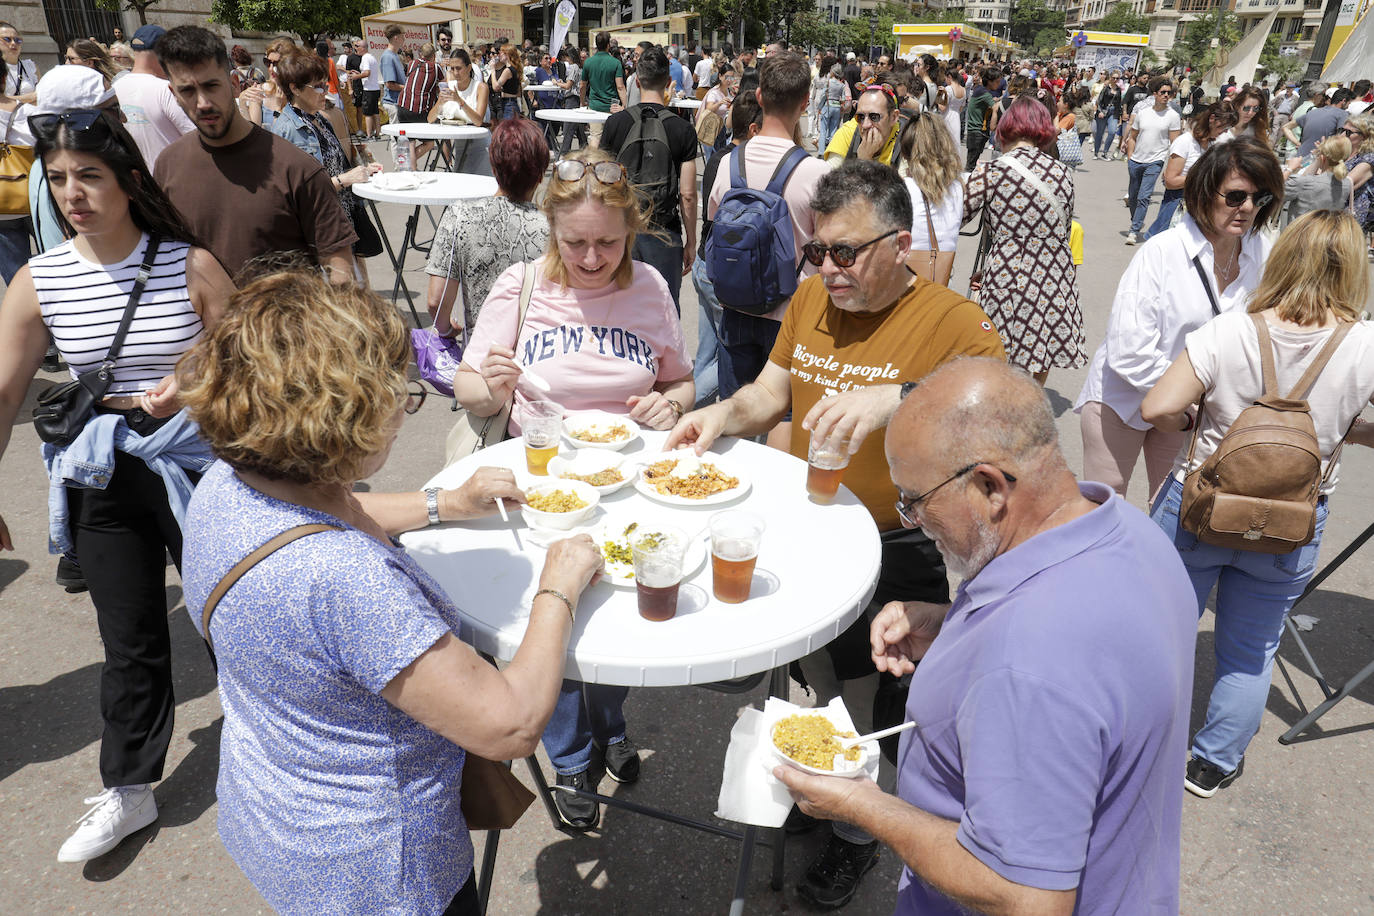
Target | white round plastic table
(433,189)
(424,130)
(572,115)
(817,569)
(686,103)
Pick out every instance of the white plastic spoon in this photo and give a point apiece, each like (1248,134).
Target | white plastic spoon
(874,736)
(537,380)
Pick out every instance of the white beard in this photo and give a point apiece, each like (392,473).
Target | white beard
(984,550)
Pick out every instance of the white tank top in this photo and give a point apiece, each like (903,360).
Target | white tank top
(452,111)
(82,302)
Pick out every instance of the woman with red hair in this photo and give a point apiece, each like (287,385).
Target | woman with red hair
(1029,283)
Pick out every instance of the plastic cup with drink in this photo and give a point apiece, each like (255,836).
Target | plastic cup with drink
(658,556)
(826,460)
(541,423)
(735,540)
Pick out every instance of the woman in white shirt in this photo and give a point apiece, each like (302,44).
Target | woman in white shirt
(20,75)
(937,196)
(1161,298)
(1315,281)
(1207,127)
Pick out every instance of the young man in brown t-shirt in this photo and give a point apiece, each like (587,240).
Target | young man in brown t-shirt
(851,338)
(244,192)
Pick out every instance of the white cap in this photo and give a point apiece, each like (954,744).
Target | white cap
(69,86)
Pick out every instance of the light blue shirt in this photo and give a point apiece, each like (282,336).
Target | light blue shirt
(45,223)
(393,71)
(173,449)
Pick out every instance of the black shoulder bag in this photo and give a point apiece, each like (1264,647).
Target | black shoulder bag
(63,410)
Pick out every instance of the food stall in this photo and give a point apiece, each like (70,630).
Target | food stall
(472,22)
(950,41)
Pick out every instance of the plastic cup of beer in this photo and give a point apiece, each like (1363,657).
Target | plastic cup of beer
(735,540)
(826,460)
(541,423)
(658,557)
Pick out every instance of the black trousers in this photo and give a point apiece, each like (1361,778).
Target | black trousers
(122,535)
(976,141)
(465,902)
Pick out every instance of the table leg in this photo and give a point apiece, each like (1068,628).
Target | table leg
(398,262)
(463,157)
(541,786)
(746,858)
(488,870)
(777,687)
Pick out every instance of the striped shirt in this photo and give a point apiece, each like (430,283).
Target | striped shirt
(82,302)
(421,91)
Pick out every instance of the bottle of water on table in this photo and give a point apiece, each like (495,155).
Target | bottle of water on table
(402,153)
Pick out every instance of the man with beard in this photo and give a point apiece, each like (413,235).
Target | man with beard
(1046,771)
(851,336)
(244,192)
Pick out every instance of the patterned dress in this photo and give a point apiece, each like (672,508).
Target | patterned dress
(1365,196)
(478,239)
(1030,284)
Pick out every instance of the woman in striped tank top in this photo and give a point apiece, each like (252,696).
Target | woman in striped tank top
(122,485)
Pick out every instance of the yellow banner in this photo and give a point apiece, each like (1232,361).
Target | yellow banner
(486,22)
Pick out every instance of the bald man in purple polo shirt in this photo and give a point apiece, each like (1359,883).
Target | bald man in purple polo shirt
(1045,774)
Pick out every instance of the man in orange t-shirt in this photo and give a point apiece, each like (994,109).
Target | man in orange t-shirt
(853,339)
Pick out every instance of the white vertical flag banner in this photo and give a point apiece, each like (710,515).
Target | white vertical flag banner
(562,20)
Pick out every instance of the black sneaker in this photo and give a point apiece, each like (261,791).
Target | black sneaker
(1204,777)
(799,821)
(833,878)
(622,761)
(69,574)
(573,810)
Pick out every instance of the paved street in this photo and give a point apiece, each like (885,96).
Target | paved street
(1289,837)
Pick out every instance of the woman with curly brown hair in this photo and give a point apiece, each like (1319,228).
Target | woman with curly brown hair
(1252,115)
(349,701)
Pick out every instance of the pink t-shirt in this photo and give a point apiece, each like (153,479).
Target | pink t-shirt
(595,347)
(761,158)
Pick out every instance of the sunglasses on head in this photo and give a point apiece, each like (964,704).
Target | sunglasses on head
(576,170)
(842,255)
(1235,199)
(78,120)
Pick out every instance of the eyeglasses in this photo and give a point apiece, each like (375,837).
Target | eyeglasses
(914,504)
(320,87)
(1165,92)
(1236,199)
(415,396)
(873,117)
(11,41)
(576,170)
(842,255)
(1250,108)
(78,120)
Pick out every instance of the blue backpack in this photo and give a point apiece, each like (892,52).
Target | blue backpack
(750,255)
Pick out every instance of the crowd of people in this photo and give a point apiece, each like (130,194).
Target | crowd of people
(191,248)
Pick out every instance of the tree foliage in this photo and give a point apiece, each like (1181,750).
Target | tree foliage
(1121,18)
(138,6)
(1282,67)
(1032,19)
(1194,47)
(306,18)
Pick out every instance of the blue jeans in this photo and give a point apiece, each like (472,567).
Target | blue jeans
(14,247)
(1138,191)
(664,257)
(830,122)
(504,108)
(1254,593)
(705,371)
(1173,197)
(745,342)
(584,713)
(1103,127)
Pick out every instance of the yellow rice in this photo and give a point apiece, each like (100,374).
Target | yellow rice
(811,739)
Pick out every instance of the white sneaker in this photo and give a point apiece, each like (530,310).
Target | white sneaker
(115,813)
(1133,238)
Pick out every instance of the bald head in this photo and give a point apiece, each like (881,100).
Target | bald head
(975,409)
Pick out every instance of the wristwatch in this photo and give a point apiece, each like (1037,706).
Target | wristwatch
(432,504)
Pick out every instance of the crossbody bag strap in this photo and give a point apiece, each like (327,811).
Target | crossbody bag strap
(1038,183)
(526,293)
(934,242)
(1206,285)
(145,271)
(248,562)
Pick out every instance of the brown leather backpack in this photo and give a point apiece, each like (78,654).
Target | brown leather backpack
(1258,491)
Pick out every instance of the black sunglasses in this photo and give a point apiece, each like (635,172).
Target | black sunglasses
(907,506)
(874,117)
(842,255)
(78,120)
(1234,199)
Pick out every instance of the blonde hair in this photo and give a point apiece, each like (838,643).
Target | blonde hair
(565,195)
(300,380)
(1364,123)
(1335,149)
(931,156)
(1317,265)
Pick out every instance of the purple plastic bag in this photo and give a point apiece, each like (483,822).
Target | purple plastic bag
(436,357)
